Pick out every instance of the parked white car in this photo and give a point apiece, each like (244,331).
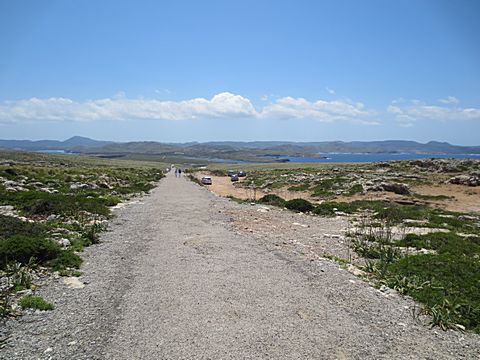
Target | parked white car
(206,180)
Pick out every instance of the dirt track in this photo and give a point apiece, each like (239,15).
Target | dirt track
(173,279)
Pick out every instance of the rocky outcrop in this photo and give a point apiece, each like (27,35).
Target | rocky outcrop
(397,188)
(445,165)
(472,179)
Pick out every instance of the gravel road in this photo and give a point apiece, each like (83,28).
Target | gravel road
(174,279)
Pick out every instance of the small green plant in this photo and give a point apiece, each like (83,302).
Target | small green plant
(91,234)
(444,314)
(34,302)
(19,276)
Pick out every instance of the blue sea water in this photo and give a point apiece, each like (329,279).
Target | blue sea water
(363,157)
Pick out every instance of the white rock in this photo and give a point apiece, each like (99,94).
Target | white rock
(298,224)
(73,282)
(355,271)
(64,242)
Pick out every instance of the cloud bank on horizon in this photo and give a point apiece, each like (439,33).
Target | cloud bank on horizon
(227,106)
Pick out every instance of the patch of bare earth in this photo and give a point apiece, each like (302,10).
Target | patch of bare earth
(223,186)
(462,198)
(312,236)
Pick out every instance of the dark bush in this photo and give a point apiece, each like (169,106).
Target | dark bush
(301,205)
(21,248)
(43,207)
(10,226)
(272,199)
(11,172)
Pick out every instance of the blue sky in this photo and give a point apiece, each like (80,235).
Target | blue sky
(241,70)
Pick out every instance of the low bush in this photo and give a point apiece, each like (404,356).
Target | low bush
(67,259)
(10,226)
(301,205)
(272,199)
(22,248)
(34,302)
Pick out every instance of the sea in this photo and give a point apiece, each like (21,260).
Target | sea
(353,158)
(326,157)
(365,157)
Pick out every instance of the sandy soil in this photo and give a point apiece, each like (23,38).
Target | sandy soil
(223,186)
(463,198)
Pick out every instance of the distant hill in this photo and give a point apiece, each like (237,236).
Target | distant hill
(74,143)
(255,150)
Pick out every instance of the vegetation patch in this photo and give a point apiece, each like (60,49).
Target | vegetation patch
(21,248)
(300,205)
(35,302)
(272,199)
(67,260)
(447,284)
(355,189)
(445,281)
(302,187)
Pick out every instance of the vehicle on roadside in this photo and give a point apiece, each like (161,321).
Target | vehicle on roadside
(242,173)
(206,180)
(231,172)
(234,177)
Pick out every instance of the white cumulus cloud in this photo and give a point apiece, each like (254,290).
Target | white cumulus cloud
(224,105)
(321,110)
(407,112)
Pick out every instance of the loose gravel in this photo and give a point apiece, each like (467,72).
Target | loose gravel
(177,278)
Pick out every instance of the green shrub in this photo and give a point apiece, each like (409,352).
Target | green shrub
(22,248)
(272,199)
(301,205)
(10,226)
(67,259)
(443,243)
(34,302)
(326,209)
